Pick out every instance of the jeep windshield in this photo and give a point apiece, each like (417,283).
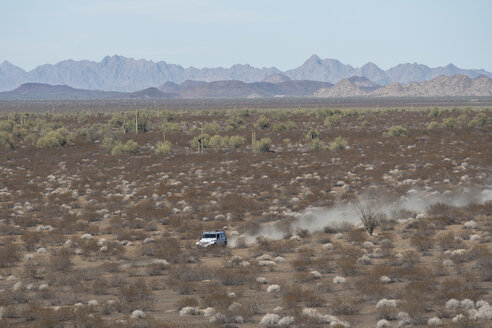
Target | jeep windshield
(209,235)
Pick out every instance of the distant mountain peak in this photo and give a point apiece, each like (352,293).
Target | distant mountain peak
(313,59)
(126,74)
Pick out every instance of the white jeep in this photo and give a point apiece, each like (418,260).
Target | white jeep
(209,238)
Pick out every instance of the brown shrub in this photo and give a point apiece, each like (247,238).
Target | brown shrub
(295,296)
(422,242)
(187,301)
(9,255)
(60,259)
(345,305)
(137,295)
(356,236)
(370,286)
(447,240)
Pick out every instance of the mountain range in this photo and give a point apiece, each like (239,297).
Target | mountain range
(122,74)
(356,86)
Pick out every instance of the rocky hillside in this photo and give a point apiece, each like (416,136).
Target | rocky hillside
(352,87)
(442,86)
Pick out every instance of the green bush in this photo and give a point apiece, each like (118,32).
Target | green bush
(433,125)
(262,145)
(312,134)
(279,127)
(117,120)
(6,140)
(449,123)
(82,118)
(91,133)
(245,112)
(338,143)
(211,128)
(479,121)
(462,119)
(234,123)
(55,138)
(332,121)
(6,126)
(30,139)
(205,139)
(262,123)
(111,138)
(218,141)
(237,141)
(435,112)
(163,148)
(396,131)
(325,112)
(170,127)
(280,115)
(167,115)
(317,145)
(129,148)
(142,126)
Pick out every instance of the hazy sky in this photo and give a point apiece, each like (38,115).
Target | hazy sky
(281,33)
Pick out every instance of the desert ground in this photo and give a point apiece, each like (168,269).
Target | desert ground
(100,212)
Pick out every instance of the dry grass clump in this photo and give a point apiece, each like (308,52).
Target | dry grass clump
(274,247)
(9,255)
(136,295)
(295,297)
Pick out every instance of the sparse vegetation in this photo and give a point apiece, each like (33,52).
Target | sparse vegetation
(128,148)
(262,145)
(396,131)
(339,143)
(100,228)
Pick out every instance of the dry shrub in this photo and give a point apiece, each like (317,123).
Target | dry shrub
(356,236)
(89,247)
(347,265)
(100,286)
(236,276)
(167,248)
(43,317)
(137,295)
(30,270)
(369,285)
(31,239)
(294,297)
(190,273)
(422,242)
(410,259)
(218,299)
(130,234)
(187,301)
(274,247)
(60,259)
(345,305)
(9,254)
(156,269)
(301,263)
(447,240)
(459,288)
(417,299)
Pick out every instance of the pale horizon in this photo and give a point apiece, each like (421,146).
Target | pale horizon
(281,34)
